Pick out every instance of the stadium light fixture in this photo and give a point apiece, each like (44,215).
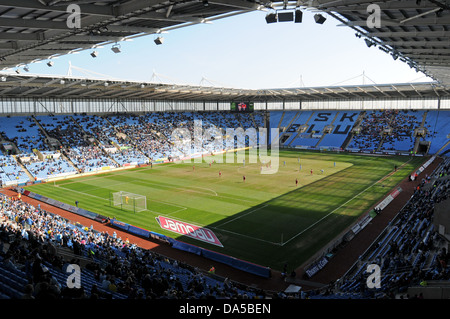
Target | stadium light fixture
(26,68)
(116,48)
(320,19)
(94,54)
(369,43)
(271,17)
(159,40)
(298,16)
(50,63)
(285,16)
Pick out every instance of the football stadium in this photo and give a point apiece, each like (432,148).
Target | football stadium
(114,189)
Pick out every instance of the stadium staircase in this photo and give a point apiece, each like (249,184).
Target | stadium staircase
(324,134)
(252,118)
(383,138)
(30,176)
(48,138)
(4,140)
(349,138)
(281,119)
(40,127)
(238,118)
(129,140)
(96,140)
(291,121)
(422,125)
(297,133)
(225,119)
(443,148)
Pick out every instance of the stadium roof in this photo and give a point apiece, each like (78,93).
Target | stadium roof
(414,31)
(38,86)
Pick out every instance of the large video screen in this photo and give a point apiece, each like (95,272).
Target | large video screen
(242,106)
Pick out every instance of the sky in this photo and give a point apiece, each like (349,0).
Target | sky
(243,51)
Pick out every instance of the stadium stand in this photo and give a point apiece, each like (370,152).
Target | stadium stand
(36,245)
(437,122)
(70,144)
(409,251)
(11,172)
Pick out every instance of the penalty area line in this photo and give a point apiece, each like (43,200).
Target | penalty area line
(351,199)
(218,227)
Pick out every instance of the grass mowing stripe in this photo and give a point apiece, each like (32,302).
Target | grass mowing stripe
(332,212)
(254,218)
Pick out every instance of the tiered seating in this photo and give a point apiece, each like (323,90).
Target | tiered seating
(50,167)
(116,145)
(29,139)
(90,158)
(83,153)
(110,267)
(287,118)
(24,132)
(10,171)
(437,124)
(301,118)
(342,126)
(12,281)
(403,125)
(408,250)
(146,136)
(372,127)
(211,129)
(314,133)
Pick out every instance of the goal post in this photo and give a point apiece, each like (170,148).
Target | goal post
(129,201)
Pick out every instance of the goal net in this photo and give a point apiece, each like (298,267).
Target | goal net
(129,201)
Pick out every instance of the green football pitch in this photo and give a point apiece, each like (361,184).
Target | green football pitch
(267,219)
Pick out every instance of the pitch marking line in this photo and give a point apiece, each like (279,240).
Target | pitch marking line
(240,216)
(218,227)
(326,216)
(107,199)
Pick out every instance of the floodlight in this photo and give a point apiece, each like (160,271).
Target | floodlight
(271,17)
(159,40)
(320,19)
(50,63)
(369,43)
(115,48)
(285,16)
(94,54)
(298,16)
